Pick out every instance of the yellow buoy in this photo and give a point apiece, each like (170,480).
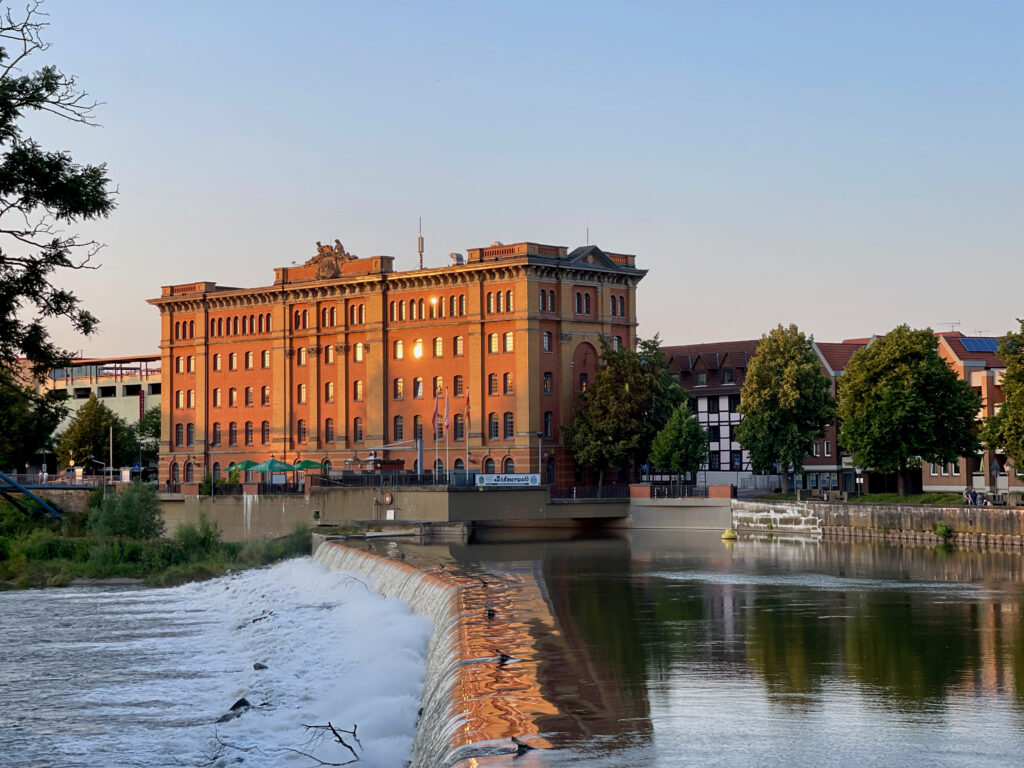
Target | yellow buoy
(729,534)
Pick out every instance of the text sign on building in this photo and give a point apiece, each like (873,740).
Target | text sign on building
(507,480)
(142,402)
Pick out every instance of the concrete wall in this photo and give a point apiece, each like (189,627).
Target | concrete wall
(970,525)
(697,514)
(67,499)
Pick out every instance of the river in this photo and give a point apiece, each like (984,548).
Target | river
(657,648)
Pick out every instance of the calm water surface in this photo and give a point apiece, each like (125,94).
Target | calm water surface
(671,648)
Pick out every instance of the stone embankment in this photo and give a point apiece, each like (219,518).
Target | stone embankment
(986,527)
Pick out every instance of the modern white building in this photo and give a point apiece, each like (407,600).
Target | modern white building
(126,385)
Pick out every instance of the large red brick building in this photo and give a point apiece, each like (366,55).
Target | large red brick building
(344,355)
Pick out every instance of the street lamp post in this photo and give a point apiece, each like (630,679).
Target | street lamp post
(860,480)
(540,449)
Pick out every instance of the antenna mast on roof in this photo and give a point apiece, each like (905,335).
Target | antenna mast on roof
(419,242)
(954,326)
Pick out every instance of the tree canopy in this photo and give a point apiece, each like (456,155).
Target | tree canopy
(785,402)
(88,436)
(900,402)
(148,432)
(629,401)
(42,192)
(1005,429)
(135,512)
(681,445)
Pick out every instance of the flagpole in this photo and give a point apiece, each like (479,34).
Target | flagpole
(447,458)
(434,428)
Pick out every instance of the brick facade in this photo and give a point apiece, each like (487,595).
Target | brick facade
(341,356)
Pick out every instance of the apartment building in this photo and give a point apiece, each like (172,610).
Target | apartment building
(344,355)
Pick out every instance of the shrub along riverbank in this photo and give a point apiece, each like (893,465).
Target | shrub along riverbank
(122,537)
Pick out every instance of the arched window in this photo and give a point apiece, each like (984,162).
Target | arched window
(179,434)
(265,395)
(460,427)
(459,466)
(362,314)
(500,302)
(357,352)
(249,401)
(191,329)
(357,390)
(551,301)
(417,387)
(614,305)
(412,309)
(213,326)
(232,433)
(548,383)
(549,424)
(398,388)
(220,326)
(352,315)
(457,386)
(327,466)
(489,467)
(175,478)
(301,430)
(509,341)
(579,303)
(305,318)
(543,300)
(329,430)
(462,304)
(492,426)
(329,392)
(265,433)
(297,324)
(260,323)
(438,346)
(452,307)
(508,301)
(397,433)
(268,323)
(245,325)
(334,316)
(622,304)
(216,433)
(234,326)
(401,310)
(399,350)
(438,466)
(190,472)
(551,471)
(510,425)
(417,427)
(392,311)
(248,433)
(190,434)
(586,304)
(421,309)
(357,429)
(300,394)
(216,470)
(323,317)
(510,466)
(232,397)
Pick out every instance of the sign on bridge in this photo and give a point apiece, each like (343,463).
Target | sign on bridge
(506,481)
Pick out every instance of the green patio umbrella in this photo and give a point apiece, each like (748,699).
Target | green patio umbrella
(244,465)
(308,464)
(273,465)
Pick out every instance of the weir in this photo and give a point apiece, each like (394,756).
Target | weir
(473,702)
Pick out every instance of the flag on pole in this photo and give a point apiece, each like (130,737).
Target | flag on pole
(446,409)
(433,419)
(468,420)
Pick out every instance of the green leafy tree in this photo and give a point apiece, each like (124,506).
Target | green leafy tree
(681,445)
(134,512)
(88,436)
(630,400)
(1005,430)
(900,403)
(785,402)
(26,427)
(41,194)
(148,434)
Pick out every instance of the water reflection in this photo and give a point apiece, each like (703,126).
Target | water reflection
(644,645)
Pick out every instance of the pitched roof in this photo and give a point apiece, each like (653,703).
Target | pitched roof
(962,352)
(837,354)
(737,353)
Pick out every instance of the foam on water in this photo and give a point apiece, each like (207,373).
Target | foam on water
(138,677)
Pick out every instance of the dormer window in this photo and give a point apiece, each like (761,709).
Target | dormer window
(702,378)
(727,376)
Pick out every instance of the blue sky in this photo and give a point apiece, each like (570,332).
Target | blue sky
(846,166)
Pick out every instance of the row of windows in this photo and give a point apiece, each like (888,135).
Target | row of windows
(240,325)
(507,344)
(249,393)
(185,330)
(945,467)
(816,448)
(728,377)
(418,309)
(735,461)
(714,404)
(499,302)
(398,348)
(547,301)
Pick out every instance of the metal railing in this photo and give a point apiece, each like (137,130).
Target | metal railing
(590,492)
(444,478)
(679,491)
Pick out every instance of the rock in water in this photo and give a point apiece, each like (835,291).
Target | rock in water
(257,665)
(238,709)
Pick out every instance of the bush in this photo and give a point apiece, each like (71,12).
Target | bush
(135,512)
(198,541)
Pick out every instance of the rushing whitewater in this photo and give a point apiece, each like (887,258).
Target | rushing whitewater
(139,677)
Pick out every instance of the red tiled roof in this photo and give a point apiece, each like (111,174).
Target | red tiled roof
(954,342)
(736,354)
(838,354)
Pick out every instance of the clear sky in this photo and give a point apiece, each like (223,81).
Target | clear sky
(847,166)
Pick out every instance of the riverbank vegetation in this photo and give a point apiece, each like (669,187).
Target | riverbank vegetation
(929,499)
(122,537)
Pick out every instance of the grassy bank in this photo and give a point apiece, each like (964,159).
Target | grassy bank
(37,551)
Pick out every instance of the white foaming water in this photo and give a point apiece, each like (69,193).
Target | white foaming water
(139,677)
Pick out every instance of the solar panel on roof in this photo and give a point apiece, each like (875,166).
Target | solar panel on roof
(980,345)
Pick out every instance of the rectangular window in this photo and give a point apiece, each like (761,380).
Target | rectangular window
(216,362)
(492,342)
(507,383)
(248,361)
(492,384)
(944,468)
(510,426)
(233,362)
(828,447)
(191,364)
(727,376)
(457,346)
(715,434)
(735,460)
(956,468)
(713,404)
(702,378)
(265,358)
(714,461)
(508,341)
(734,403)
(398,389)
(357,390)
(265,396)
(438,347)
(934,469)
(179,365)
(547,341)
(216,398)
(816,449)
